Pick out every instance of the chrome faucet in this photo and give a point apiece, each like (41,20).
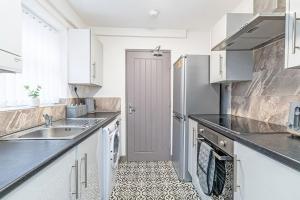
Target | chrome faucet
(48,120)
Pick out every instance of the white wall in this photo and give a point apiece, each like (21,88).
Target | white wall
(246,6)
(114,60)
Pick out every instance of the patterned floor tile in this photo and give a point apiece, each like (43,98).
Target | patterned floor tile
(150,181)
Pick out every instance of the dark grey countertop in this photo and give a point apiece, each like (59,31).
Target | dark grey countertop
(269,139)
(19,160)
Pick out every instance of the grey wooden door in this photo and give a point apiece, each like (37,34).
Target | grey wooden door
(148,105)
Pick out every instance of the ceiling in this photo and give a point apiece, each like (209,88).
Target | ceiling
(174,14)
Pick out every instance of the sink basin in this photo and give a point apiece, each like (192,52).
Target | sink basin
(53,133)
(65,129)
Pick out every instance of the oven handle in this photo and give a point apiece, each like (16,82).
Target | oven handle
(224,158)
(217,156)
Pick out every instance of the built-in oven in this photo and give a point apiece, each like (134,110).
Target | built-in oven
(223,152)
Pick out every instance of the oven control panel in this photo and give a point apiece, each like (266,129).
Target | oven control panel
(217,139)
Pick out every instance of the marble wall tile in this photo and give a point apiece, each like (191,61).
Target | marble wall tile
(69,101)
(108,104)
(267,97)
(269,6)
(273,109)
(16,120)
(103,104)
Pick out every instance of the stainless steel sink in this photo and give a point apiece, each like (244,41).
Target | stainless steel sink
(65,129)
(53,133)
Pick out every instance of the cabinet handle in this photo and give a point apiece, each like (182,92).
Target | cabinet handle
(220,64)
(18,59)
(76,193)
(235,184)
(94,70)
(294,33)
(85,170)
(193,136)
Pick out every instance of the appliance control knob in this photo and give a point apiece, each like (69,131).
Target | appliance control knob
(223,143)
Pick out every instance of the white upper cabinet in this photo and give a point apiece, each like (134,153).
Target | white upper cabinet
(230,66)
(292,34)
(11,36)
(85,58)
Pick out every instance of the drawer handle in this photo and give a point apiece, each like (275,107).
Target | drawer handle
(18,59)
(75,168)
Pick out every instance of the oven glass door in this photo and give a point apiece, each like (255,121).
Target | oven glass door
(227,192)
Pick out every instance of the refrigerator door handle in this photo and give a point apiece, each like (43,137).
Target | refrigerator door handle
(178,117)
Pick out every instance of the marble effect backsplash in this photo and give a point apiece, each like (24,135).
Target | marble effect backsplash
(108,104)
(267,97)
(15,120)
(103,104)
(20,119)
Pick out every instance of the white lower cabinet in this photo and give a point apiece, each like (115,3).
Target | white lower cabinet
(54,182)
(74,175)
(262,178)
(87,155)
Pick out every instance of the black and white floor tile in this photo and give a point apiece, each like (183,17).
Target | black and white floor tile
(150,181)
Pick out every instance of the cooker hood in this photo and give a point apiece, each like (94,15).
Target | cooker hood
(261,30)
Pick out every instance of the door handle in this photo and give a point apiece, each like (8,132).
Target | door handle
(131,109)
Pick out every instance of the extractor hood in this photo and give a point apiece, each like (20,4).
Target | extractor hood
(260,31)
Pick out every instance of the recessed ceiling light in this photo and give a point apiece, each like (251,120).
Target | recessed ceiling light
(154,13)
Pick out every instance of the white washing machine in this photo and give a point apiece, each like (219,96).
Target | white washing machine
(110,154)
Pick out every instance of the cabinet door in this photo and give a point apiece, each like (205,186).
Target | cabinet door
(79,53)
(56,181)
(97,61)
(192,153)
(292,39)
(217,66)
(11,34)
(261,177)
(87,155)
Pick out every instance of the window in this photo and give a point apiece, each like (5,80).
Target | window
(43,64)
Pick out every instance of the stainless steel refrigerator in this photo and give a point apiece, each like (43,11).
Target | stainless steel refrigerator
(192,94)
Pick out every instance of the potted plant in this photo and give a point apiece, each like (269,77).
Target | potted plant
(34,94)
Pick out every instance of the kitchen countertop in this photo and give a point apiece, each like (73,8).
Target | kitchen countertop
(21,159)
(269,139)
